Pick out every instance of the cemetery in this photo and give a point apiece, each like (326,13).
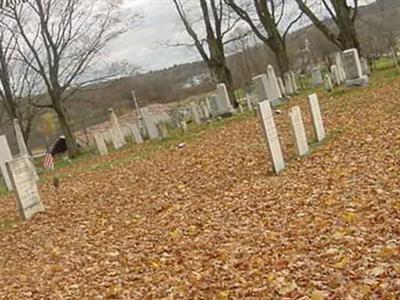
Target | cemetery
(289,191)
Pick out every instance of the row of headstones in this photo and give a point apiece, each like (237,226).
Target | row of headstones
(348,69)
(117,135)
(299,133)
(20,175)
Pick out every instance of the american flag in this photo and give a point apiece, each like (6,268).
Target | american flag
(49,160)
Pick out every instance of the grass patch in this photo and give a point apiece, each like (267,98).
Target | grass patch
(3,190)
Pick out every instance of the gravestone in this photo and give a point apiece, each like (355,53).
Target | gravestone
(116,128)
(261,87)
(224,105)
(340,66)
(354,74)
(274,85)
(271,136)
(23,150)
(5,156)
(282,87)
(294,82)
(25,187)
(115,139)
(364,66)
(328,83)
(195,113)
(149,124)
(299,132)
(335,75)
(206,112)
(316,76)
(249,102)
(138,139)
(162,128)
(316,117)
(289,84)
(183,126)
(101,144)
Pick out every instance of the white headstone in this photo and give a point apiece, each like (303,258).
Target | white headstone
(352,64)
(101,144)
(364,66)
(224,104)
(116,128)
(24,184)
(195,113)
(206,112)
(150,125)
(183,125)
(316,117)
(328,83)
(136,134)
(354,73)
(115,139)
(289,84)
(162,128)
(271,135)
(298,131)
(294,81)
(316,76)
(5,156)
(249,102)
(275,91)
(335,75)
(340,66)
(282,86)
(23,150)
(261,87)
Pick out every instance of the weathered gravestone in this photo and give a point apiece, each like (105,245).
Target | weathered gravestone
(299,132)
(116,131)
(249,102)
(100,143)
(149,124)
(335,75)
(23,150)
(364,66)
(273,83)
(195,113)
(294,82)
(328,83)
(289,84)
(162,128)
(271,136)
(137,137)
(354,74)
(316,76)
(25,187)
(282,86)
(115,139)
(261,87)
(340,66)
(316,117)
(5,156)
(224,105)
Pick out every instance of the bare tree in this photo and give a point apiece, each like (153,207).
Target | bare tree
(270,17)
(218,23)
(343,16)
(59,40)
(17,84)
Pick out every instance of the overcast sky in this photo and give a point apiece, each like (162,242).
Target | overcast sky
(160,23)
(141,45)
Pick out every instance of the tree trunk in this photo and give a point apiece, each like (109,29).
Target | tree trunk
(222,74)
(65,128)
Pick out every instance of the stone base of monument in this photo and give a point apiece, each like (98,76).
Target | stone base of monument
(362,81)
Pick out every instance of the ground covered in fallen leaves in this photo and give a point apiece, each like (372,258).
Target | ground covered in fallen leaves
(211,221)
